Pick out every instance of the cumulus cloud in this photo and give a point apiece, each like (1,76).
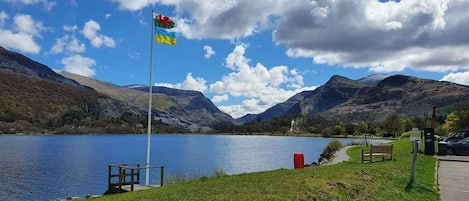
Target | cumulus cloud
(79,65)
(90,31)
(208,51)
(213,18)
(68,44)
(48,5)
(384,37)
(134,5)
(459,77)
(22,34)
(3,17)
(220,98)
(190,83)
(263,87)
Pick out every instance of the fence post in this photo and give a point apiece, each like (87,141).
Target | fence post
(120,178)
(138,173)
(161,176)
(109,177)
(132,179)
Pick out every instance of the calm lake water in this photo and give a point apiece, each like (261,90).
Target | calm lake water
(52,167)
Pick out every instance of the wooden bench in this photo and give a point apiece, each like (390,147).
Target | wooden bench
(383,151)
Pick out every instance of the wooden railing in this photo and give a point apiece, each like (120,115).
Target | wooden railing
(128,175)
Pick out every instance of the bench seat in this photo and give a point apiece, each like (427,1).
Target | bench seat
(383,151)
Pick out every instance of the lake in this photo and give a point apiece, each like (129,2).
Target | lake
(52,167)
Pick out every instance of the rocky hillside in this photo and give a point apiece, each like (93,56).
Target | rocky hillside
(190,106)
(185,109)
(18,63)
(349,100)
(30,104)
(35,99)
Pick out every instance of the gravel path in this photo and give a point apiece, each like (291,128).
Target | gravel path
(340,156)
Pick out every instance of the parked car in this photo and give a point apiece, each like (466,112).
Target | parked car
(456,136)
(460,147)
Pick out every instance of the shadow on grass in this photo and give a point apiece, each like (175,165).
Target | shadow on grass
(409,186)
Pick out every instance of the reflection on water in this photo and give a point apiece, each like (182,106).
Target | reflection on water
(51,167)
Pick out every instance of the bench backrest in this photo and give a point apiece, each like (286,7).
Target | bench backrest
(381,149)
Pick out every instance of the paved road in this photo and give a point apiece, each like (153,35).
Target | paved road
(453,178)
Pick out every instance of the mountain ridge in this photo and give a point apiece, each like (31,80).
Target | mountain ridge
(181,108)
(344,99)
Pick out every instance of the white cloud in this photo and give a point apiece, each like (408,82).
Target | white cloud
(90,31)
(23,33)
(26,24)
(383,36)
(190,83)
(134,5)
(214,18)
(3,18)
(73,28)
(79,65)
(263,87)
(107,16)
(220,98)
(208,51)
(68,44)
(236,58)
(459,78)
(48,5)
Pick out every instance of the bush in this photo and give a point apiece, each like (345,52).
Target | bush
(334,145)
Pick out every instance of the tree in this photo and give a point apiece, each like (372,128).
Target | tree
(392,125)
(338,130)
(463,119)
(457,120)
(408,124)
(362,127)
(350,129)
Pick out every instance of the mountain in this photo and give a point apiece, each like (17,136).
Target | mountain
(376,96)
(402,95)
(373,80)
(189,110)
(190,106)
(35,99)
(20,64)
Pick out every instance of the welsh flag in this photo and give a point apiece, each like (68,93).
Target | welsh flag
(163,21)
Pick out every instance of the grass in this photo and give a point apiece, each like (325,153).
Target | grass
(352,180)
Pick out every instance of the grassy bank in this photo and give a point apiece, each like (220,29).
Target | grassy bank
(351,180)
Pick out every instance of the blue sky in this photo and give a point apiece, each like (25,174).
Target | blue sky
(244,55)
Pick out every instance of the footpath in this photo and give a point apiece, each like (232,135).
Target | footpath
(453,178)
(340,156)
(453,175)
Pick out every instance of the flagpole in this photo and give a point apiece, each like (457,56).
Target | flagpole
(150,95)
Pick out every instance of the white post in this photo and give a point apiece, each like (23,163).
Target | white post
(415,148)
(150,94)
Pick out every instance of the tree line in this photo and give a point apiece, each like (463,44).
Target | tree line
(392,125)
